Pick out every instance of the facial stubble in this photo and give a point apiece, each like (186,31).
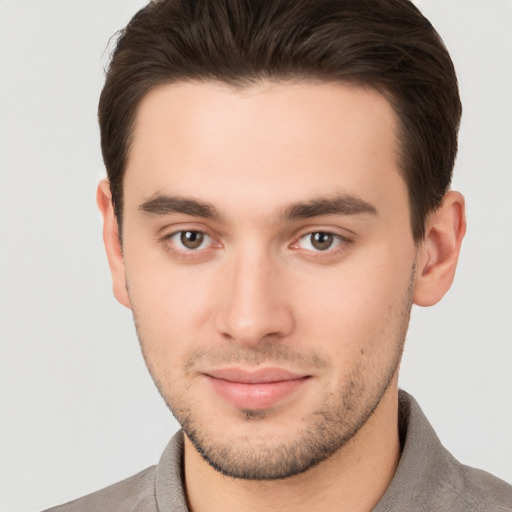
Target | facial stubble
(329,427)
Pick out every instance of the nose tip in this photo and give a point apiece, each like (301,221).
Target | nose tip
(251,331)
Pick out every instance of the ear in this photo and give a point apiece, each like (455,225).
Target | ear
(112,243)
(438,254)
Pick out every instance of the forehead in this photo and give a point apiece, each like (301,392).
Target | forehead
(281,141)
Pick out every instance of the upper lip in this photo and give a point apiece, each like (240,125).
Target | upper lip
(259,376)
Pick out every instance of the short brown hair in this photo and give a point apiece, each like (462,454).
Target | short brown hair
(384,44)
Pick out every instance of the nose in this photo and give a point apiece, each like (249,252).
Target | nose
(253,305)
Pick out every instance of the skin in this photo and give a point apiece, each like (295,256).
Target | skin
(258,293)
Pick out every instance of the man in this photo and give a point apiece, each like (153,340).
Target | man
(278,198)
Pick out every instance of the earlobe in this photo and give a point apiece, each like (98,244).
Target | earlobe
(439,252)
(112,243)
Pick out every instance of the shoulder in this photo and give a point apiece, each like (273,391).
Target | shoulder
(156,488)
(483,491)
(429,478)
(136,493)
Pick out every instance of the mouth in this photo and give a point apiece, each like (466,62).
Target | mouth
(255,390)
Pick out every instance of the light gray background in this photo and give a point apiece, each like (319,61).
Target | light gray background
(78,409)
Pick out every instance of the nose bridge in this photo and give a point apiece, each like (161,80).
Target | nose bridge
(254,307)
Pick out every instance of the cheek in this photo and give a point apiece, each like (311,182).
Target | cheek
(171,305)
(359,306)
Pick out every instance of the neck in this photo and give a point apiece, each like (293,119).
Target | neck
(353,479)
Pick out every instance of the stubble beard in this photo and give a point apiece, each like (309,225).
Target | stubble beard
(326,429)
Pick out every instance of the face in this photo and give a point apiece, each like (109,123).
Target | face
(268,260)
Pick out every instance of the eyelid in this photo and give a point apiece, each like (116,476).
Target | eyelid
(336,240)
(343,241)
(178,234)
(184,253)
(170,230)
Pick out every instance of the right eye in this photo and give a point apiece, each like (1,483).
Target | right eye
(189,240)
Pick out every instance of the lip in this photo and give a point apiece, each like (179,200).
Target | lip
(255,389)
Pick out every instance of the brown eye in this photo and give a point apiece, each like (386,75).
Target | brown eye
(319,241)
(192,239)
(322,241)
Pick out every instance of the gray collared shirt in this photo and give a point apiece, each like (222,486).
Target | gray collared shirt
(428,478)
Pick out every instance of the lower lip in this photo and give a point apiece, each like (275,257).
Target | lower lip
(257,396)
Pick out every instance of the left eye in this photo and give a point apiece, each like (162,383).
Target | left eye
(191,240)
(319,241)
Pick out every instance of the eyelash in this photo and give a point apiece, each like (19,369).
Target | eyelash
(171,246)
(340,243)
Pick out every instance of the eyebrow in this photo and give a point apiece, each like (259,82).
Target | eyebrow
(334,205)
(164,205)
